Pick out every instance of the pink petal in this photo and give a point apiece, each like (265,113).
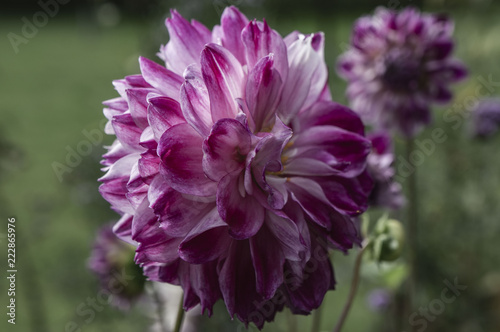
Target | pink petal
(243,214)
(180,150)
(262,93)
(307,76)
(186,42)
(329,113)
(127,131)
(311,292)
(162,79)
(288,234)
(138,105)
(163,113)
(268,261)
(341,149)
(123,228)
(207,241)
(225,150)
(232,23)
(178,213)
(260,41)
(224,78)
(195,101)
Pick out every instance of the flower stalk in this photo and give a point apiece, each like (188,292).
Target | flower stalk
(353,290)
(316,323)
(180,316)
(412,229)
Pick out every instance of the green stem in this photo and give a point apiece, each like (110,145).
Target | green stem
(352,292)
(292,322)
(160,310)
(316,324)
(180,316)
(412,223)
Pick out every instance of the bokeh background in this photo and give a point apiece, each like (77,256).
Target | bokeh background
(51,91)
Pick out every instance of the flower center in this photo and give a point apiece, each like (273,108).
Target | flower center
(402,74)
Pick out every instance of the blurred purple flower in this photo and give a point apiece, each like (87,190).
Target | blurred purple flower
(379,299)
(400,63)
(110,259)
(386,192)
(233,168)
(486,117)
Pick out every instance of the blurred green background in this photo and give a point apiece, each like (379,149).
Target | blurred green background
(51,92)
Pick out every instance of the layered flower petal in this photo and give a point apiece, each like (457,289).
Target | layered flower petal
(233,169)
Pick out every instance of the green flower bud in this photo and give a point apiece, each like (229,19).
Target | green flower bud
(387,240)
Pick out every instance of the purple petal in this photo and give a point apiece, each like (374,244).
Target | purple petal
(343,234)
(288,234)
(186,42)
(180,150)
(225,149)
(243,213)
(341,149)
(145,223)
(262,93)
(237,282)
(123,228)
(207,241)
(163,113)
(205,282)
(162,79)
(195,101)
(224,78)
(127,131)
(310,196)
(260,41)
(232,23)
(439,49)
(178,213)
(268,261)
(163,272)
(138,105)
(318,279)
(381,142)
(348,195)
(148,166)
(329,114)
(307,76)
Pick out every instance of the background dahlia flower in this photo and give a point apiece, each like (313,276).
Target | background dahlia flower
(110,259)
(399,63)
(486,118)
(234,170)
(387,192)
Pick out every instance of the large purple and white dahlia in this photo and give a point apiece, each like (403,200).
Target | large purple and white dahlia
(399,63)
(234,170)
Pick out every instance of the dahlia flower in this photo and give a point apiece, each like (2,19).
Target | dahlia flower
(234,170)
(110,259)
(387,192)
(398,64)
(486,117)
